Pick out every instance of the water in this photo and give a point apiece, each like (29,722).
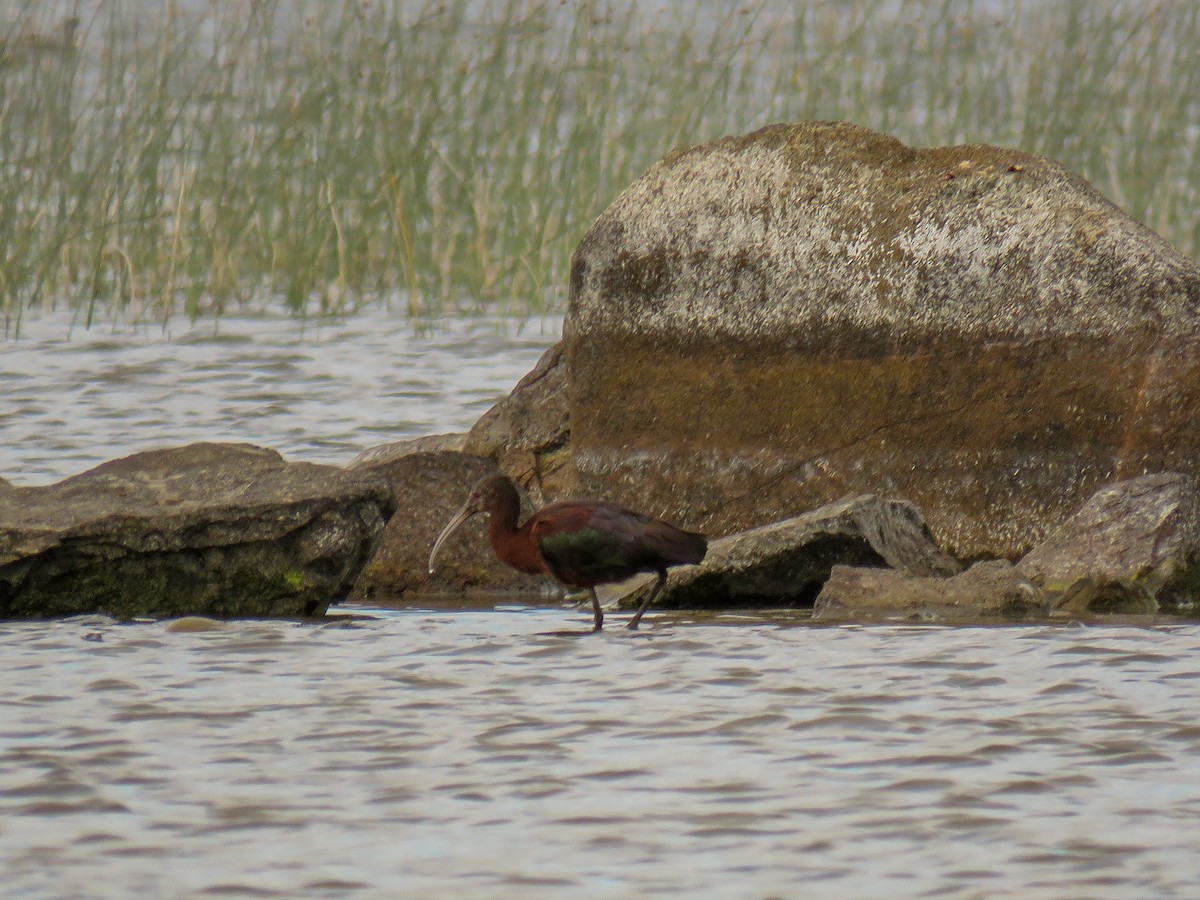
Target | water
(424,753)
(434,752)
(319,391)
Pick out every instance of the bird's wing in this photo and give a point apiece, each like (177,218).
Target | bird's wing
(619,525)
(590,542)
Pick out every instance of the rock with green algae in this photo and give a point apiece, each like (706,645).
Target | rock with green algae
(219,530)
(768,322)
(1133,547)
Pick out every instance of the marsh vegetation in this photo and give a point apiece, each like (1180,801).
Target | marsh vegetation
(443,157)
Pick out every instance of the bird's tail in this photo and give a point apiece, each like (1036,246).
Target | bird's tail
(684,547)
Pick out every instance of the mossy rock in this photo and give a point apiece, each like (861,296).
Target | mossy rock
(222,530)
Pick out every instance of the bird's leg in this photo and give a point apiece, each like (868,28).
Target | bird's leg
(597,612)
(637,616)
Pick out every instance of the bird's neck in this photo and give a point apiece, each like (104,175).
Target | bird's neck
(502,524)
(512,544)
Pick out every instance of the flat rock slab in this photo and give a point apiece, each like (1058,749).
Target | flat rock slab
(429,488)
(992,589)
(1133,547)
(785,564)
(208,529)
(769,322)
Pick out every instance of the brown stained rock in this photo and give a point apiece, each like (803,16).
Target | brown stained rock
(1134,547)
(385,453)
(993,589)
(206,529)
(786,563)
(528,432)
(769,322)
(429,488)
(196,624)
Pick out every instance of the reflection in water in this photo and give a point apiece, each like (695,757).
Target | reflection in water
(317,391)
(418,752)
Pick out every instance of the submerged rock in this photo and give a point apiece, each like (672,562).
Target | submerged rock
(429,488)
(207,529)
(986,590)
(768,322)
(785,564)
(1134,547)
(195,624)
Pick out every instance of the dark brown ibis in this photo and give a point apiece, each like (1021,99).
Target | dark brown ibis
(579,543)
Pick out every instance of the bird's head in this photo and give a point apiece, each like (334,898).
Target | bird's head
(491,495)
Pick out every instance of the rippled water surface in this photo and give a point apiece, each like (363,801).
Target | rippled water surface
(435,753)
(426,753)
(317,390)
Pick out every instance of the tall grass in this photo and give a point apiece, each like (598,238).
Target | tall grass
(447,156)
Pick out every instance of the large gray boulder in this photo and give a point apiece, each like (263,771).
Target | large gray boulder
(1133,547)
(786,563)
(207,529)
(768,322)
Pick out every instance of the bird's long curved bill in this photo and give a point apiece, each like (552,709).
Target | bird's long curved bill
(459,517)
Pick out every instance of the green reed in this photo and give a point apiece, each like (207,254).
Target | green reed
(447,156)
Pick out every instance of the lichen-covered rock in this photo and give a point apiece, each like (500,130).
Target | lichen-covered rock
(429,488)
(1134,547)
(786,563)
(528,432)
(207,529)
(992,589)
(768,322)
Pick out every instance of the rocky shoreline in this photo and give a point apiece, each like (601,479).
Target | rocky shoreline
(949,383)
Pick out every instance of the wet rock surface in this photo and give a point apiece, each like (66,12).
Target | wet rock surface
(207,529)
(429,488)
(991,589)
(528,433)
(785,564)
(385,453)
(1133,547)
(768,322)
